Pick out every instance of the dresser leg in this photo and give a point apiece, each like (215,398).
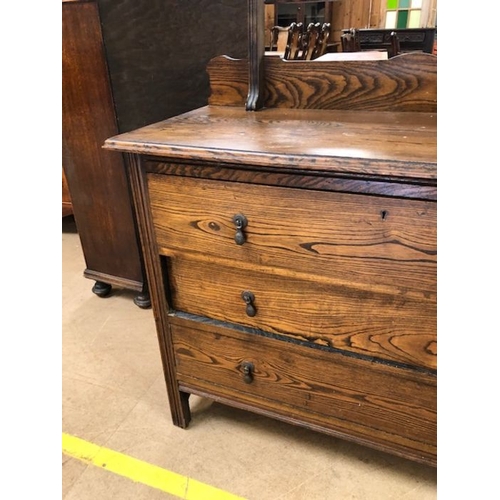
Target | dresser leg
(183,417)
(101,289)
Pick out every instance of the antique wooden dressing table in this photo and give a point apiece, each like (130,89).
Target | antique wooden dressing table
(289,233)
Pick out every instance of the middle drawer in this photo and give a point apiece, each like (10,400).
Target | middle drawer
(370,323)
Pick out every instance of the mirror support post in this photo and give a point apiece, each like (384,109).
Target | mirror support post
(255,55)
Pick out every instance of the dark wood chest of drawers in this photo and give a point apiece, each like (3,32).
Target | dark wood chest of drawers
(292,261)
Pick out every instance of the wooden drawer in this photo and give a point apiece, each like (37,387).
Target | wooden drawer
(358,240)
(366,322)
(387,407)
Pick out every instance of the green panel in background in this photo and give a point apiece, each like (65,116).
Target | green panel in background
(402,19)
(392,4)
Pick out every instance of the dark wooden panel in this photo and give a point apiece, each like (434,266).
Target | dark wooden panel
(420,191)
(412,39)
(96,177)
(157,52)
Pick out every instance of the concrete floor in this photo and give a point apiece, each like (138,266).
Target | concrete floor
(114,396)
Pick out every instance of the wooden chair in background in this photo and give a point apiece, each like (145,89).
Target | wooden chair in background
(279,37)
(294,41)
(314,41)
(322,43)
(310,39)
(350,41)
(309,44)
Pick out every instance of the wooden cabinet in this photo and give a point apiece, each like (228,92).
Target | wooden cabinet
(98,182)
(292,250)
(166,75)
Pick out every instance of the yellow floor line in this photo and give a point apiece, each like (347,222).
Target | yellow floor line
(142,472)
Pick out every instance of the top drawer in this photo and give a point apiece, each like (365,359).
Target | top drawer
(346,238)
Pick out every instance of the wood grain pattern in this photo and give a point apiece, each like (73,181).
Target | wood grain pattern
(353,239)
(402,83)
(331,256)
(366,321)
(328,181)
(369,144)
(358,399)
(356,14)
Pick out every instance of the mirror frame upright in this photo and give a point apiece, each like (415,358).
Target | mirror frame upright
(256,49)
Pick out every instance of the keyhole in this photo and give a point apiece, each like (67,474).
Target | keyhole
(384,214)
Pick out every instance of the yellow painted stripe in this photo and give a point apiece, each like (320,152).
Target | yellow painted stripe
(142,472)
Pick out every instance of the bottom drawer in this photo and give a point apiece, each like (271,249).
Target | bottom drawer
(371,403)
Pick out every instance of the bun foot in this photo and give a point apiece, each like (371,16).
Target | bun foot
(101,289)
(143,300)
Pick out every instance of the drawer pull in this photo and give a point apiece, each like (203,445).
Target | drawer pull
(240,221)
(248,298)
(247,368)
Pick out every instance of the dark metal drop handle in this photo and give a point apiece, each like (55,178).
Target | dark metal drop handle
(240,221)
(249,298)
(247,369)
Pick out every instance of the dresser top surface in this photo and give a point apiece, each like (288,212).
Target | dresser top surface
(373,143)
